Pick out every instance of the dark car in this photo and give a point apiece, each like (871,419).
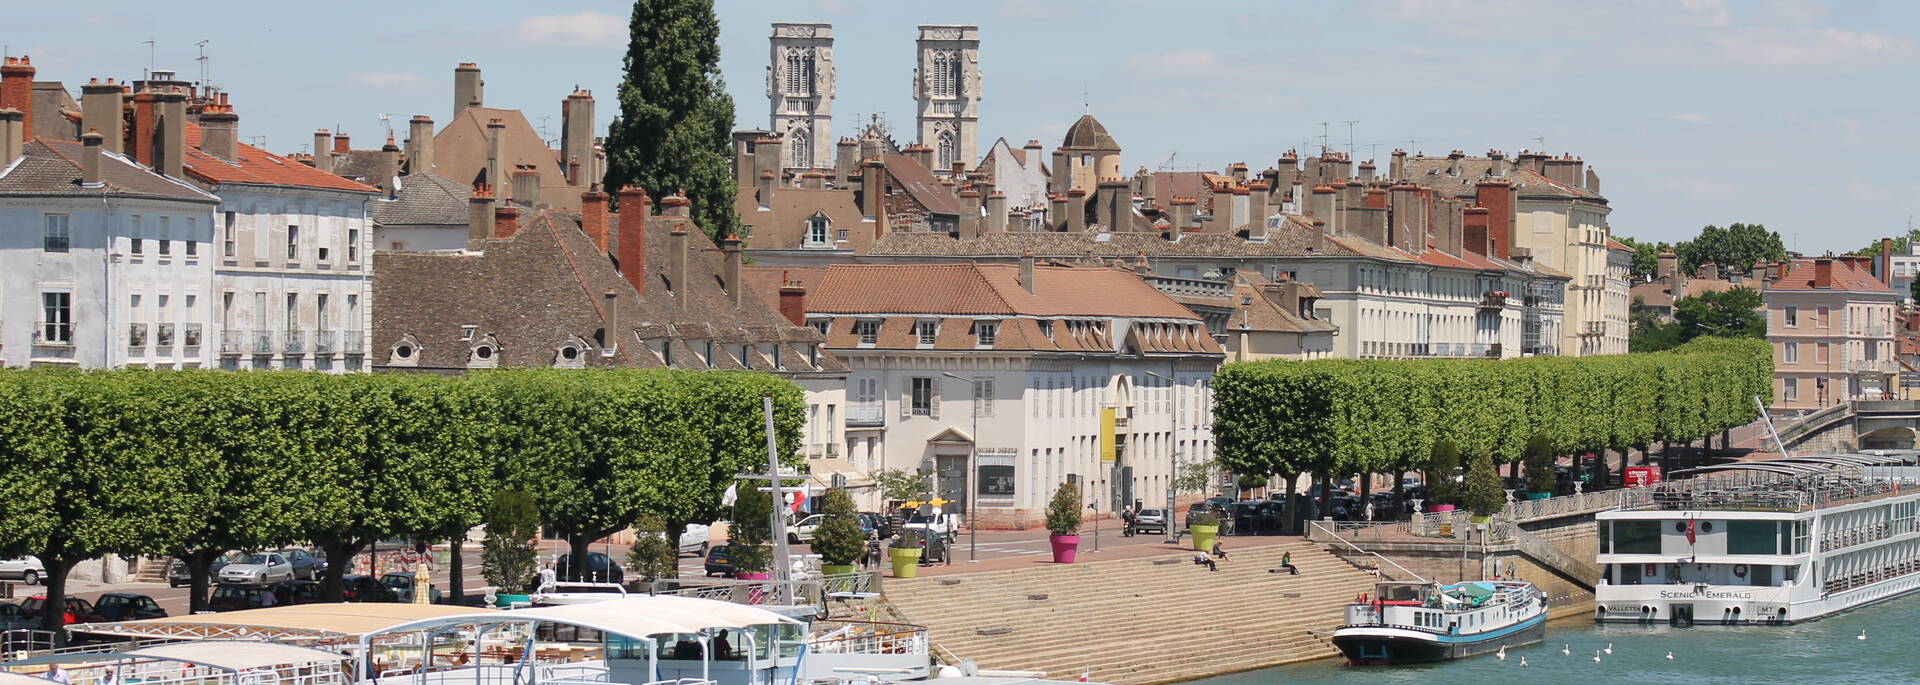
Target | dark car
(12,617)
(306,565)
(178,576)
(240,597)
(719,562)
(125,606)
(402,586)
(933,547)
(78,610)
(364,588)
(600,569)
(875,526)
(296,592)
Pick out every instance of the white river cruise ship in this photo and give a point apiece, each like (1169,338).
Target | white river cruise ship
(1763,542)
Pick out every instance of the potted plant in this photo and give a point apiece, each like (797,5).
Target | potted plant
(1443,492)
(652,557)
(749,533)
(905,555)
(507,557)
(1539,460)
(1063,521)
(1483,496)
(839,540)
(1205,526)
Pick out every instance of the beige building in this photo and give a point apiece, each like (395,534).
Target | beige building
(1831,324)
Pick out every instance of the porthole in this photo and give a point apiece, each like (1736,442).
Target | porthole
(403,352)
(483,352)
(569,353)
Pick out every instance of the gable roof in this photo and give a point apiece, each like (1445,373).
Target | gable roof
(920,184)
(460,154)
(1799,276)
(424,200)
(48,167)
(255,166)
(784,225)
(989,289)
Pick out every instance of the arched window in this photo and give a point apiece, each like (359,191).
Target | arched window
(948,151)
(801,147)
(946,74)
(800,72)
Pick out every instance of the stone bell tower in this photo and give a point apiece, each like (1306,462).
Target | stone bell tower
(946,86)
(800,89)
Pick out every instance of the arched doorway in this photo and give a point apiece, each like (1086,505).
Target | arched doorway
(1890,438)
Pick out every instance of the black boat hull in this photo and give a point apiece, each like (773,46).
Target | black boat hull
(1396,646)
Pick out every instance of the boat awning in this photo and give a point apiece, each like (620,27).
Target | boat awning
(8,678)
(296,623)
(634,616)
(234,655)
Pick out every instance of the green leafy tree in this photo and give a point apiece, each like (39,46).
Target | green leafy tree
(1196,476)
(508,555)
(1900,244)
(901,485)
(651,556)
(1540,461)
(1442,465)
(839,540)
(750,529)
(1063,511)
(1734,313)
(1646,256)
(1483,495)
(673,129)
(1735,248)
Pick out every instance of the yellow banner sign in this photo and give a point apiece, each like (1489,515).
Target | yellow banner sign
(1109,448)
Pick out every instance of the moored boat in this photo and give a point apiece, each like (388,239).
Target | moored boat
(1404,623)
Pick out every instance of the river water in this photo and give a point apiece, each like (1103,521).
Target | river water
(1824,651)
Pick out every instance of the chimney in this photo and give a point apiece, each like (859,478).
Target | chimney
(959,169)
(996,212)
(969,213)
(1496,164)
(1289,168)
(341,144)
(1532,161)
(873,205)
(1566,170)
(1886,259)
(576,134)
(506,221)
(495,130)
(173,133)
(1257,207)
(1497,197)
(89,157)
(763,190)
(1104,191)
(1376,198)
(1056,211)
(12,135)
(1593,181)
(420,144)
(1668,264)
(730,274)
(219,131)
(16,91)
(793,301)
(480,217)
(813,180)
(1226,210)
(1026,270)
(1453,162)
(1182,213)
(526,188)
(1238,170)
(1321,205)
(766,158)
(389,164)
(1077,210)
(322,159)
(743,171)
(593,216)
(1473,230)
(1397,166)
(632,255)
(610,312)
(1447,227)
(1370,224)
(677,259)
(101,105)
(1823,272)
(846,158)
(1062,179)
(146,116)
(676,204)
(1407,231)
(872,147)
(467,87)
(1710,271)
(1366,171)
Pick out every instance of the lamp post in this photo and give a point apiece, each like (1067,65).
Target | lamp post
(1173,464)
(973,470)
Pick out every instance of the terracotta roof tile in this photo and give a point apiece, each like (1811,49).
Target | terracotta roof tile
(259,167)
(52,167)
(989,289)
(1799,276)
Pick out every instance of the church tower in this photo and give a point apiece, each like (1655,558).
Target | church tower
(946,85)
(800,91)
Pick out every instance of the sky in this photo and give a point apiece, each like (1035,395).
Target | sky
(1789,113)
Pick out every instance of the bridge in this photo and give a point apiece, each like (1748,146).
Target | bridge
(1851,427)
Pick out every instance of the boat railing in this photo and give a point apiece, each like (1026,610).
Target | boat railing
(23,644)
(738,591)
(1319,532)
(867,637)
(681,681)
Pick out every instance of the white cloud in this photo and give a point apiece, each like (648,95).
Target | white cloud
(1790,48)
(1689,118)
(584,28)
(1795,12)
(1714,11)
(387,80)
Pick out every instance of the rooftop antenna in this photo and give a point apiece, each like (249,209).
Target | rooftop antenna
(1542,143)
(1373,151)
(1323,139)
(1167,165)
(387,121)
(259,141)
(1413,146)
(202,59)
(1350,138)
(1086,103)
(543,126)
(151,57)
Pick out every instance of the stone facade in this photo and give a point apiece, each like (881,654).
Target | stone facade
(800,90)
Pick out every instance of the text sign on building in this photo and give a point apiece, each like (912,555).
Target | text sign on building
(1909,379)
(1109,447)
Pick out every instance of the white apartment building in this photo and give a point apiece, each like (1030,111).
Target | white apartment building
(106,264)
(1050,372)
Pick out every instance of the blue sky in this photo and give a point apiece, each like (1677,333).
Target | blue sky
(1792,113)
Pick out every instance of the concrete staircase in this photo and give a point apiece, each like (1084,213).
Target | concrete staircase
(1139,621)
(1579,572)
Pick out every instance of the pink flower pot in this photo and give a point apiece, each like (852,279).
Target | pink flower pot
(1437,508)
(1064,547)
(756,594)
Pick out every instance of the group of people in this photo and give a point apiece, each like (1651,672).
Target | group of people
(1208,559)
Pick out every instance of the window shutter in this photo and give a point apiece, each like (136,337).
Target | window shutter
(935,398)
(906,398)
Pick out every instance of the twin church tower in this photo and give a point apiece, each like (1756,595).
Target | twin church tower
(946,90)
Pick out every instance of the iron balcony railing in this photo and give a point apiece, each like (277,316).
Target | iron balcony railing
(294,341)
(353,342)
(865,414)
(231,342)
(262,342)
(324,342)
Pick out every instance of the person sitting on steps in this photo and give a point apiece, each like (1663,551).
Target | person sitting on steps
(1201,558)
(1286,562)
(1219,551)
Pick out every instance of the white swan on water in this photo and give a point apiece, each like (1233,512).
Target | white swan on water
(1609,649)
(1523,662)
(1502,654)
(1863,635)
(1565,651)
(1669,656)
(1596,656)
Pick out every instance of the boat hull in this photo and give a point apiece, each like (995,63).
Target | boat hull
(1384,645)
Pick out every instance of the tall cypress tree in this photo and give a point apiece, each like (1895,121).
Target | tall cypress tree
(675,114)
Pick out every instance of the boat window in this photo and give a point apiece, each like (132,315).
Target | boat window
(1802,533)
(1636,537)
(1754,537)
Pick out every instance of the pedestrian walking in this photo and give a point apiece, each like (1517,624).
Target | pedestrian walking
(1369,510)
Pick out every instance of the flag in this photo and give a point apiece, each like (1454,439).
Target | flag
(799,499)
(1690,525)
(732,493)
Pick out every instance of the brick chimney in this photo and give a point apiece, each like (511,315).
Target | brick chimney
(1376,198)
(16,90)
(1320,206)
(1062,171)
(1258,206)
(12,135)
(342,144)
(632,253)
(1057,211)
(322,159)
(1407,230)
(480,217)
(1453,162)
(389,165)
(813,180)
(593,216)
(173,133)
(730,273)
(969,226)
(1566,170)
(219,131)
(846,158)
(1026,270)
(1182,213)
(1077,210)
(576,133)
(766,167)
(873,206)
(1886,261)
(467,87)
(1823,272)
(996,212)
(1497,197)
(676,204)
(146,116)
(1366,171)
(1710,271)
(1473,228)
(793,301)
(1496,164)
(101,105)
(420,144)
(1397,165)
(1668,264)
(506,221)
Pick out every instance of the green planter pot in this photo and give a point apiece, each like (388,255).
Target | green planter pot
(501,600)
(1539,495)
(906,561)
(837,569)
(1480,519)
(1203,537)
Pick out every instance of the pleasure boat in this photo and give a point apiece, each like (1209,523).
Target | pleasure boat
(1404,622)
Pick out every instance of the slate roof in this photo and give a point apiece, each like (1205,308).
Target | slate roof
(259,167)
(1086,133)
(50,167)
(784,225)
(460,153)
(1294,239)
(360,165)
(424,200)
(1254,311)
(920,183)
(1432,172)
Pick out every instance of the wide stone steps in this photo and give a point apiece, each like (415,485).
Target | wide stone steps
(1132,621)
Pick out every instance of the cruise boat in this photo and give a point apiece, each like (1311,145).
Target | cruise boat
(1762,542)
(1404,623)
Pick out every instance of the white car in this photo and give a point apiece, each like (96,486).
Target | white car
(803,530)
(944,525)
(694,540)
(259,568)
(24,569)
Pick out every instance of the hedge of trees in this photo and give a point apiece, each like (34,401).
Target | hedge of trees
(1338,417)
(193,463)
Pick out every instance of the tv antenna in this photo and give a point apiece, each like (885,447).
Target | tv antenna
(1350,138)
(1542,142)
(1323,139)
(1168,165)
(202,59)
(387,121)
(1413,146)
(151,56)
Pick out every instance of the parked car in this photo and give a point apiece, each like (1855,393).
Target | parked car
(719,562)
(259,568)
(364,588)
(876,525)
(944,525)
(1150,521)
(77,610)
(24,569)
(600,569)
(306,565)
(296,592)
(402,586)
(933,547)
(126,606)
(1204,506)
(239,597)
(803,530)
(12,617)
(695,539)
(178,575)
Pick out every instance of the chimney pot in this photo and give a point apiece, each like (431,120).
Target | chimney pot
(676,204)
(480,217)
(793,301)
(593,217)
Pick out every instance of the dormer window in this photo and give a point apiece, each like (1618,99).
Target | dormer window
(1046,329)
(404,353)
(868,330)
(817,233)
(484,354)
(820,325)
(985,332)
(708,353)
(927,332)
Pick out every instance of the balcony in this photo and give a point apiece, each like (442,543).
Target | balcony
(260,342)
(191,336)
(294,342)
(324,342)
(866,414)
(1593,328)
(1494,299)
(163,337)
(1870,366)
(53,334)
(231,342)
(353,342)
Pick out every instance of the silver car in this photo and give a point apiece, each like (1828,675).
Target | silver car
(260,568)
(25,569)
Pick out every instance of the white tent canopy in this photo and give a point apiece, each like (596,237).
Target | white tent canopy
(634,616)
(235,655)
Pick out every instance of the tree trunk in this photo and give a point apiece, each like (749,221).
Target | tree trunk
(199,577)
(1399,495)
(53,620)
(577,546)
(1288,507)
(1366,492)
(456,571)
(339,559)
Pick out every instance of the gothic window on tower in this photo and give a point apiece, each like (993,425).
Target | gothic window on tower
(946,74)
(948,151)
(800,72)
(801,147)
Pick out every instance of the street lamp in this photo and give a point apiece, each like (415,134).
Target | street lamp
(970,493)
(1173,464)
